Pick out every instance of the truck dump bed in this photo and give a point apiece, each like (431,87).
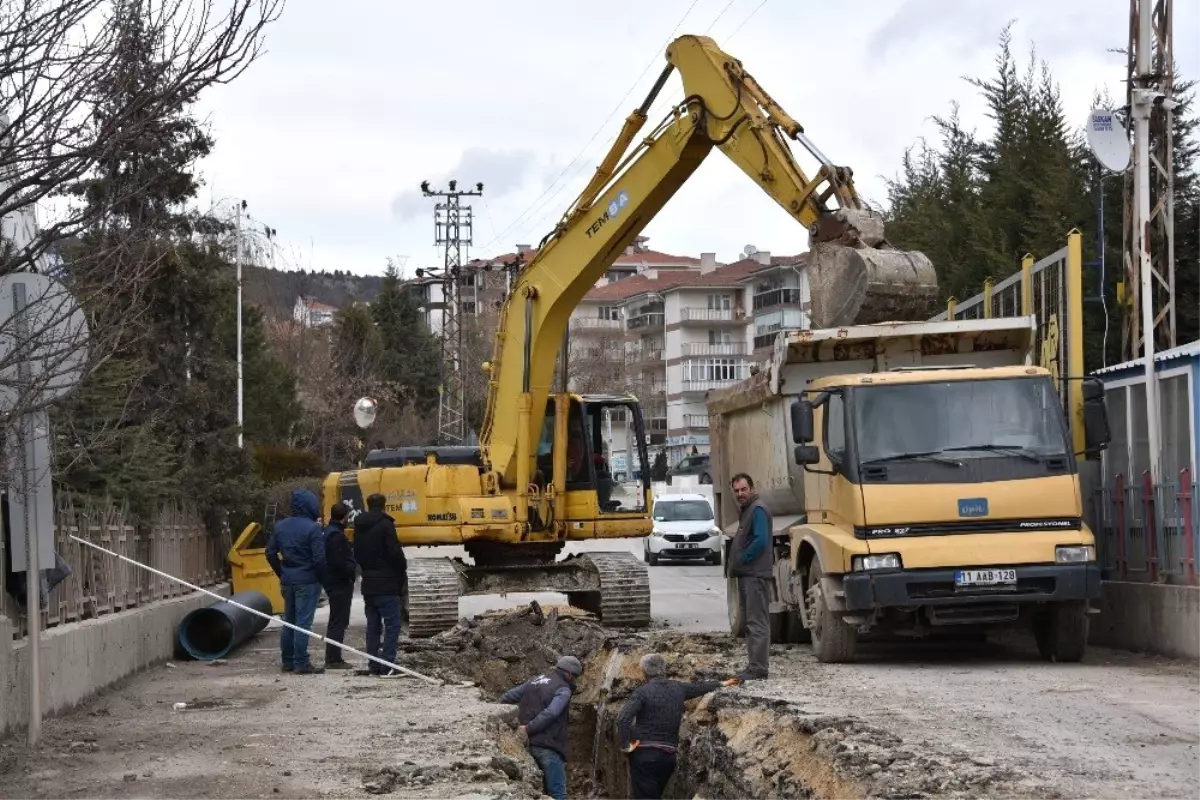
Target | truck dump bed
(748,422)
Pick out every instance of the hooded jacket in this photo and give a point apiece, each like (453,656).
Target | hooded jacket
(379,554)
(341,569)
(296,547)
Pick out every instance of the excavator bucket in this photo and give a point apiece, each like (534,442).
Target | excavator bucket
(859,279)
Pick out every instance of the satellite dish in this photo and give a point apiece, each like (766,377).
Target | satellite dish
(1108,140)
(364,412)
(749,250)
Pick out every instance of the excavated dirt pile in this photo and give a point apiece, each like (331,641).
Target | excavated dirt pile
(734,743)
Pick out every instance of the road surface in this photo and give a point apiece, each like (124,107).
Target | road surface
(1118,725)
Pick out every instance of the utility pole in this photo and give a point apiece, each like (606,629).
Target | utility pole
(237,259)
(1149,265)
(452,223)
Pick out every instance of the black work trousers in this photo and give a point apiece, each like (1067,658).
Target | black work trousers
(339,618)
(649,770)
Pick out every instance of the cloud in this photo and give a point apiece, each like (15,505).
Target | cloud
(500,171)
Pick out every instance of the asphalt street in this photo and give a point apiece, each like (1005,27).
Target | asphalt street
(682,596)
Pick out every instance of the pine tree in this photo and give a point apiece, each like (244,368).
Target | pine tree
(411,357)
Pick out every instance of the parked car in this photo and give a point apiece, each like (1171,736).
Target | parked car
(692,465)
(684,529)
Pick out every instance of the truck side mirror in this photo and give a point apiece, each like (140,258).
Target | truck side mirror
(1096,432)
(802,423)
(806,454)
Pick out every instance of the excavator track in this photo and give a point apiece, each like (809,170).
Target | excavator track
(624,589)
(433,591)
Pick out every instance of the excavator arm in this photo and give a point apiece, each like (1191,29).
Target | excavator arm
(854,274)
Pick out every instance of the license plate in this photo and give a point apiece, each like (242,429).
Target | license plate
(689,545)
(985,577)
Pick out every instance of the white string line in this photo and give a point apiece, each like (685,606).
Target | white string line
(269,618)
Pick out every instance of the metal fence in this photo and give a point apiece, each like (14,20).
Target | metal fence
(177,543)
(1148,532)
(1051,290)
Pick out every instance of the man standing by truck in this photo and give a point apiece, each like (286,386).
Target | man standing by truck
(750,562)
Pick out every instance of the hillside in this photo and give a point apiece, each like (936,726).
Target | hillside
(275,291)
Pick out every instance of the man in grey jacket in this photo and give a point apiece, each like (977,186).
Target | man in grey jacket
(750,561)
(648,725)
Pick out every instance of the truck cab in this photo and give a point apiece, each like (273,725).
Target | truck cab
(936,497)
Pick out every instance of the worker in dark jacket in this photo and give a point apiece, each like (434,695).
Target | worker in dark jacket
(339,584)
(648,725)
(542,717)
(296,552)
(750,561)
(384,574)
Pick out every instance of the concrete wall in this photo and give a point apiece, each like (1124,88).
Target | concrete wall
(1149,618)
(82,658)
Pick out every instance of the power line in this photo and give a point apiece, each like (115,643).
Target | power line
(607,120)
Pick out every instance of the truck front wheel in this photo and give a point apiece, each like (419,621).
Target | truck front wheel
(1061,632)
(833,641)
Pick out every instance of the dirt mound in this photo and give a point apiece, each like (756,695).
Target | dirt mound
(501,649)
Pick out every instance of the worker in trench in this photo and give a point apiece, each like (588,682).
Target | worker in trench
(648,725)
(750,562)
(542,716)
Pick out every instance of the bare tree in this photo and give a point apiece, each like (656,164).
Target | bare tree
(58,123)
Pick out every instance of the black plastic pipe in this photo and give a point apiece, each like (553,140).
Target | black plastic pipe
(212,632)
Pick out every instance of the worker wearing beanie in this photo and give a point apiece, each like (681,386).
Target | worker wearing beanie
(542,718)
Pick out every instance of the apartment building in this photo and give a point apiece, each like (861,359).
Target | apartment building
(684,333)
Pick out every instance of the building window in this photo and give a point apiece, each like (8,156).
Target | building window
(716,369)
(720,337)
(720,302)
(609,312)
(468,308)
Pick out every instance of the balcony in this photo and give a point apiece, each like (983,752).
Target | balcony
(596,323)
(775,298)
(650,320)
(699,421)
(722,349)
(710,316)
(642,355)
(707,385)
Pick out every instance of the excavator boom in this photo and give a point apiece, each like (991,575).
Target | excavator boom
(513,504)
(855,276)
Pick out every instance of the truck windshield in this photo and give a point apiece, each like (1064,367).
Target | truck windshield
(683,511)
(1002,418)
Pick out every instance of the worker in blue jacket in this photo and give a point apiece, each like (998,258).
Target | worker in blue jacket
(296,552)
(750,561)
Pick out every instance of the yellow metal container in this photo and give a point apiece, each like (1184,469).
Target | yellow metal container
(250,569)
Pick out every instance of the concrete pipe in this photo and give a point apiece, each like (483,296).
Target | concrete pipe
(213,632)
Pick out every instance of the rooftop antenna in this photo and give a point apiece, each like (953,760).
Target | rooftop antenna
(749,250)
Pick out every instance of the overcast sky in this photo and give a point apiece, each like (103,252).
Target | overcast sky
(328,136)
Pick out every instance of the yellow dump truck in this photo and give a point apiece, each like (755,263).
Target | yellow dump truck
(923,478)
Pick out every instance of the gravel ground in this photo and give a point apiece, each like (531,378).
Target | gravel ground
(253,732)
(911,720)
(1117,725)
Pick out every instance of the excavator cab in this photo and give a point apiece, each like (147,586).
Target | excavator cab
(605,441)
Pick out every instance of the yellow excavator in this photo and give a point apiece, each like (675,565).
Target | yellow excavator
(538,479)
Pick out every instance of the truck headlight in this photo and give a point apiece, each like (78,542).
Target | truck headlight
(715,532)
(881,561)
(1075,554)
